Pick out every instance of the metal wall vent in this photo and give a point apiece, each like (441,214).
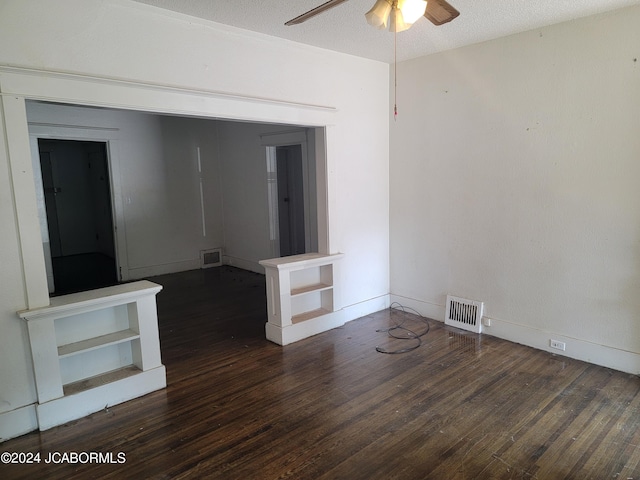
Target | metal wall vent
(211,258)
(464,314)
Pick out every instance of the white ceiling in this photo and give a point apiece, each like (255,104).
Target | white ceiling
(344,28)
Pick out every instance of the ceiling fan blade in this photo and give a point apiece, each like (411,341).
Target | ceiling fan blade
(439,12)
(315,11)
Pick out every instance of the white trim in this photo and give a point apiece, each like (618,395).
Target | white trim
(112,93)
(306,194)
(145,85)
(281,139)
(602,355)
(42,211)
(18,422)
(20,83)
(272,201)
(106,135)
(91,300)
(65,409)
(243,264)
(299,331)
(313,222)
(14,115)
(318,142)
(361,309)
(426,309)
(116,93)
(143,371)
(163,269)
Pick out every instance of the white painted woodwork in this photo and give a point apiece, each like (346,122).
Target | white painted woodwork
(301,295)
(17,138)
(93,349)
(343,96)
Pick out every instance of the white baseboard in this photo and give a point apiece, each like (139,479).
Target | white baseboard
(71,407)
(584,350)
(298,331)
(155,270)
(357,310)
(243,264)
(426,309)
(314,326)
(597,354)
(18,422)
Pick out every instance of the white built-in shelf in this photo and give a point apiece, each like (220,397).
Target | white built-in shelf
(310,288)
(97,342)
(301,295)
(304,316)
(100,380)
(94,348)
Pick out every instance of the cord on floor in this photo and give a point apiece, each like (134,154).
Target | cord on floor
(407,333)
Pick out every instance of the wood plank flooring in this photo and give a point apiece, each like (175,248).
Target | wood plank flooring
(461,406)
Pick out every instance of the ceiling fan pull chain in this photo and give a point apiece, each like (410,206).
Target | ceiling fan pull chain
(395,76)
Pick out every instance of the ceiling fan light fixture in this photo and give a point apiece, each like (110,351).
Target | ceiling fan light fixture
(396,21)
(401,13)
(412,10)
(378,16)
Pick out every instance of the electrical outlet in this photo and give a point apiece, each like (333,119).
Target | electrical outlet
(557,344)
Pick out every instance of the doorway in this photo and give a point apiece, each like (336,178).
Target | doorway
(292,192)
(77,195)
(291,218)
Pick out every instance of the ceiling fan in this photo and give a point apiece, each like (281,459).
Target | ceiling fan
(398,15)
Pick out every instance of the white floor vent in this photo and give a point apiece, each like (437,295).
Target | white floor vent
(211,258)
(464,314)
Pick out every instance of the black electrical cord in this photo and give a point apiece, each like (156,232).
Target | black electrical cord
(407,333)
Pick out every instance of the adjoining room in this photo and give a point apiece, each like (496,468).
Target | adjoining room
(317,248)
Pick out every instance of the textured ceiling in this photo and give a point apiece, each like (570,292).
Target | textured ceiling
(344,28)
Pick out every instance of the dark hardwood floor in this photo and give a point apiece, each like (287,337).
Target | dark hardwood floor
(461,406)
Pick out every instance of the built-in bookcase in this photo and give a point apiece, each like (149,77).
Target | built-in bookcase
(302,297)
(94,349)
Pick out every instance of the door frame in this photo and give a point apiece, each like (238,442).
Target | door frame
(309,179)
(104,135)
(17,85)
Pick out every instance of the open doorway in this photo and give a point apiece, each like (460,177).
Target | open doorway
(292,192)
(291,218)
(77,194)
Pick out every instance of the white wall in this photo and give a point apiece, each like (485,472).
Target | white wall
(116,53)
(165,224)
(514,181)
(155,179)
(246,207)
(157,183)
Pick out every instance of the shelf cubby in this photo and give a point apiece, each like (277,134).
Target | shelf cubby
(301,295)
(94,348)
(97,342)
